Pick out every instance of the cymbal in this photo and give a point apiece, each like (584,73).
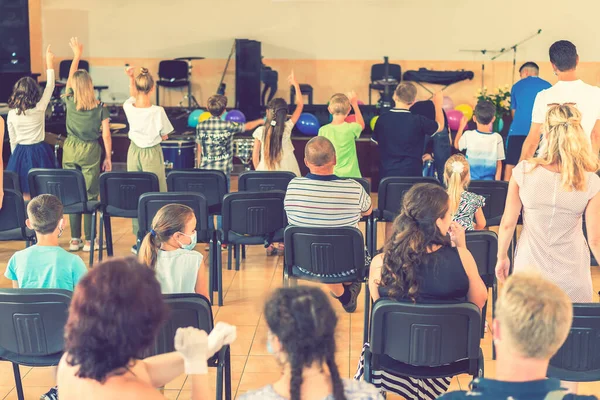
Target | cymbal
(190,58)
(117,127)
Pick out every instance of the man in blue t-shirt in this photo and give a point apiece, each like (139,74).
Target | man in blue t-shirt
(533,319)
(523,95)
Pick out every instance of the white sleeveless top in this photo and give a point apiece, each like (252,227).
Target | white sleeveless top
(177,270)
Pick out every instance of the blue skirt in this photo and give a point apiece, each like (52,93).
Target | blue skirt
(28,156)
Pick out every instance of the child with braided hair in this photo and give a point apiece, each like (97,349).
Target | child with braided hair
(302,338)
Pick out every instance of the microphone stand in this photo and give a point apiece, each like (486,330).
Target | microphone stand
(483,52)
(514,49)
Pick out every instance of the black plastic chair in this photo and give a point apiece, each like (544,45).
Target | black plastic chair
(378,73)
(483,245)
(391,192)
(193,310)
(69,186)
(212,184)
(12,219)
(11,181)
(32,332)
(119,195)
(578,360)
(326,251)
(261,181)
(173,74)
(424,340)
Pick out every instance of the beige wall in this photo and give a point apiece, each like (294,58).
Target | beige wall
(331,44)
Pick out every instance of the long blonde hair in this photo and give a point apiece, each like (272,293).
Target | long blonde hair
(567,146)
(83,91)
(169,220)
(457,178)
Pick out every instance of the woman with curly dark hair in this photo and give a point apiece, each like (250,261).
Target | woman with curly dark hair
(302,339)
(425,259)
(115,314)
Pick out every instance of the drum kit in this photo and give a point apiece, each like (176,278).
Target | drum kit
(180,152)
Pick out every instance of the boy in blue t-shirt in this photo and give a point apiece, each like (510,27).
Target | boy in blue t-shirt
(522,97)
(45,265)
(484,148)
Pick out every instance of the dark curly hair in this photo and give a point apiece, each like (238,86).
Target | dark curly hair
(304,322)
(115,314)
(26,94)
(415,230)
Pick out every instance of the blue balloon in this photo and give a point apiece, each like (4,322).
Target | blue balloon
(193,118)
(235,116)
(308,124)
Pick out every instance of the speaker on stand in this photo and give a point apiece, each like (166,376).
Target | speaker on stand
(247,77)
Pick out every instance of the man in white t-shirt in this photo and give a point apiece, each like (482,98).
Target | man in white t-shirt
(568,89)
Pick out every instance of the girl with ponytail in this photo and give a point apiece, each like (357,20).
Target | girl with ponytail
(464,206)
(301,337)
(425,260)
(168,249)
(273,148)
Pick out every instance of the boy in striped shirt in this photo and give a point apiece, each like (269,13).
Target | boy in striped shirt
(321,199)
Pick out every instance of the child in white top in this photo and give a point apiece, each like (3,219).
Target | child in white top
(464,206)
(169,250)
(273,148)
(26,125)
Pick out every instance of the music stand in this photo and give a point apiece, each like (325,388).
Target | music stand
(192,102)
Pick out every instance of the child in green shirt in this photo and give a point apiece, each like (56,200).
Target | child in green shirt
(343,134)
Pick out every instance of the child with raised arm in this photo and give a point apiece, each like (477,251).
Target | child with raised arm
(273,148)
(343,135)
(26,125)
(86,116)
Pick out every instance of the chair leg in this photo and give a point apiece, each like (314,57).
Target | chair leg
(483,315)
(108,229)
(157,95)
(494,298)
(211,271)
(93,238)
(101,236)
(18,383)
(238,257)
(230,250)
(228,374)
(220,381)
(243,252)
(219,271)
(367,318)
(374,237)
(369,95)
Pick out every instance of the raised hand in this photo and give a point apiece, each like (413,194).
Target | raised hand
(352,97)
(49,58)
(76,47)
(292,79)
(130,71)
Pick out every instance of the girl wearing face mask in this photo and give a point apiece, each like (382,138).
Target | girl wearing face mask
(168,249)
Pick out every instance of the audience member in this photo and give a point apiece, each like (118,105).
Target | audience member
(554,191)
(568,90)
(301,337)
(168,249)
(343,134)
(484,148)
(273,148)
(27,125)
(115,315)
(522,97)
(322,199)
(401,134)
(1,162)
(533,318)
(420,263)
(464,205)
(86,117)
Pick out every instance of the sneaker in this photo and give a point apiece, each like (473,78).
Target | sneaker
(87,246)
(134,249)
(355,288)
(51,395)
(75,244)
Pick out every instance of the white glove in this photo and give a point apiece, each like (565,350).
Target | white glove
(192,344)
(221,335)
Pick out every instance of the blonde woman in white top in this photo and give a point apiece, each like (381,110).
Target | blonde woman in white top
(26,125)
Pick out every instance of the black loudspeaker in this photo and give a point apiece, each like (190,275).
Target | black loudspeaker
(14,36)
(247,77)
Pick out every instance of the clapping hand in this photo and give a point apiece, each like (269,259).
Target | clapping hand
(76,47)
(457,235)
(192,344)
(221,335)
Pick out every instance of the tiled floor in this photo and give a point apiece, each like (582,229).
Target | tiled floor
(245,292)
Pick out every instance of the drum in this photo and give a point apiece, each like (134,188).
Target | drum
(242,149)
(179,154)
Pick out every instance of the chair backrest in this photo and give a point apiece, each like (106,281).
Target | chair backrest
(11,180)
(150,203)
(212,184)
(33,322)
(378,72)
(173,70)
(495,193)
(187,309)
(121,191)
(578,360)
(260,181)
(254,213)
(66,184)
(12,216)
(65,66)
(364,182)
(391,192)
(483,245)
(428,335)
(324,251)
